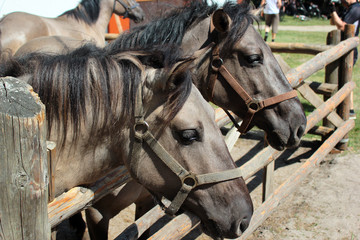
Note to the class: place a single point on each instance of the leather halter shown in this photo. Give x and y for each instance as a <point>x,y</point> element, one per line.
<point>189,180</point>
<point>126,7</point>
<point>253,105</point>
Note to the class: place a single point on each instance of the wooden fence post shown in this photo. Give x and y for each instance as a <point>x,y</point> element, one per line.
<point>23,163</point>
<point>331,70</point>
<point>346,76</point>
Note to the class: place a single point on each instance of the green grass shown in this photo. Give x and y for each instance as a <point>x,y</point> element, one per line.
<point>295,60</point>
<point>292,21</point>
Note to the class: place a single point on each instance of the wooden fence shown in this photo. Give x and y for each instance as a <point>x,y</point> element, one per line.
<point>27,183</point>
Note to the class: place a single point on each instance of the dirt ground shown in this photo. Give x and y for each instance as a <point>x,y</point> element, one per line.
<point>325,206</point>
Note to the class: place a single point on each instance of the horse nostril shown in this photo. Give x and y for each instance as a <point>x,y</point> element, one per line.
<point>244,224</point>
<point>300,131</point>
<point>240,227</point>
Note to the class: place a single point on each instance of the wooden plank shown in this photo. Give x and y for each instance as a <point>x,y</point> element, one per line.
<point>345,77</point>
<point>178,227</point>
<point>222,119</point>
<point>268,181</point>
<point>79,198</point>
<point>23,161</point>
<point>321,131</point>
<point>111,36</point>
<point>326,89</point>
<point>332,69</point>
<point>297,48</point>
<point>51,152</point>
<point>326,108</point>
<point>135,230</point>
<point>296,178</point>
<point>316,101</point>
<point>231,137</point>
<point>302,72</point>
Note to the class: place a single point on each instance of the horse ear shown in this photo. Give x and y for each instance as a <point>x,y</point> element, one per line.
<point>221,21</point>
<point>178,73</point>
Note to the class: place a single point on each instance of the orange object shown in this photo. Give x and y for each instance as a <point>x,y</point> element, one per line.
<point>118,24</point>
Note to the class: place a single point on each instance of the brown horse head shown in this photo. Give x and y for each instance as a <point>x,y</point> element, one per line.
<point>234,42</point>
<point>249,74</point>
<point>129,9</point>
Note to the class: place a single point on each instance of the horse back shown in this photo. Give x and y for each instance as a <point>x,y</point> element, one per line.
<point>18,27</point>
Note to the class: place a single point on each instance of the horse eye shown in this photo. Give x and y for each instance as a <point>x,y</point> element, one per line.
<point>254,59</point>
<point>188,136</point>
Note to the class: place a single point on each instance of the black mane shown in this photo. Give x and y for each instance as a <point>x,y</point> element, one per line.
<point>90,80</point>
<point>87,11</point>
<point>172,28</point>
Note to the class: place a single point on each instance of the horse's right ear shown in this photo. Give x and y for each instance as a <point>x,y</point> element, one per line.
<point>178,73</point>
<point>221,21</point>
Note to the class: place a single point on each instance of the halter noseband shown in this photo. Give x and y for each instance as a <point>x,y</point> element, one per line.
<point>126,7</point>
<point>253,105</point>
<point>189,180</point>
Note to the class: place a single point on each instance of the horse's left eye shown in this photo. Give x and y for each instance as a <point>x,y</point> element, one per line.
<point>188,136</point>
<point>254,59</point>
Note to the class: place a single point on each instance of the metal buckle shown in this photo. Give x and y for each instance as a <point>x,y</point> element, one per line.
<point>216,63</point>
<point>189,180</point>
<point>254,105</point>
<point>140,128</point>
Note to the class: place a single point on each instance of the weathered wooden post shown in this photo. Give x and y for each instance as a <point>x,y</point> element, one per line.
<point>23,163</point>
<point>331,70</point>
<point>344,77</point>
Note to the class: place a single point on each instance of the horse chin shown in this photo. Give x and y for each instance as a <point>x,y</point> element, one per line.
<point>210,229</point>
<point>275,141</point>
<point>279,141</point>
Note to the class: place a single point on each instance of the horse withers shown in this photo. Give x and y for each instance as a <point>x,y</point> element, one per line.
<point>88,21</point>
<point>140,110</point>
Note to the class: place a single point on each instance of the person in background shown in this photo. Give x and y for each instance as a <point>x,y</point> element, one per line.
<point>272,19</point>
<point>350,16</point>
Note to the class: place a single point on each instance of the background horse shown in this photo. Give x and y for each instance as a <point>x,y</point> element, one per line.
<point>88,21</point>
<point>92,104</point>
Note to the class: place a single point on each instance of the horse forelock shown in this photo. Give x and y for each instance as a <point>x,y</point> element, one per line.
<point>241,18</point>
<point>87,11</point>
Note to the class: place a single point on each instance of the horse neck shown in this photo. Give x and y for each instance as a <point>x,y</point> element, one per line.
<point>196,36</point>
<point>97,30</point>
<point>193,40</point>
<point>106,10</point>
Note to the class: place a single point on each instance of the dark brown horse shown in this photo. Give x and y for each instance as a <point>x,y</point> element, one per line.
<point>138,110</point>
<point>88,21</point>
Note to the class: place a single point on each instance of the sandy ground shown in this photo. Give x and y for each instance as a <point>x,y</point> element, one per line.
<point>325,206</point>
